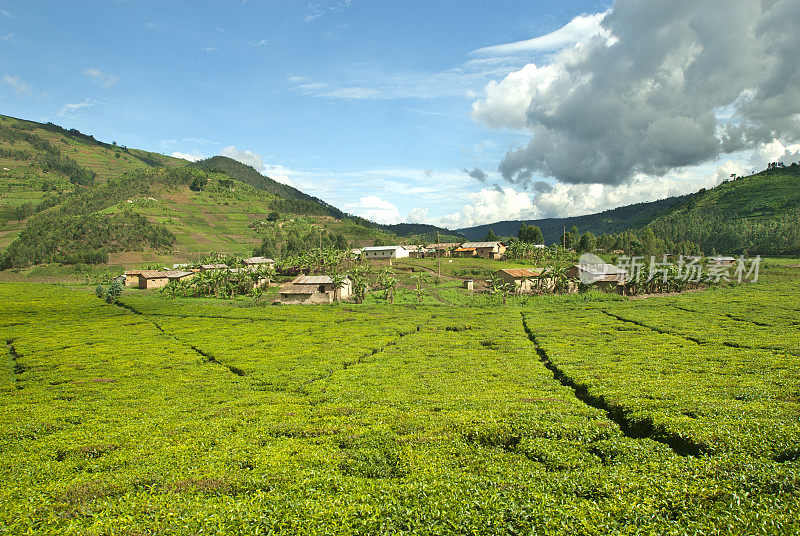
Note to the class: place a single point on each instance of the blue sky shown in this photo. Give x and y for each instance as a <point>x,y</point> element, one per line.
<point>380,107</point>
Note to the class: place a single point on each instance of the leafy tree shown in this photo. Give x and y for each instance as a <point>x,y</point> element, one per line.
<point>530,234</point>
<point>502,287</point>
<point>388,284</point>
<point>340,242</point>
<point>198,183</point>
<point>570,239</point>
<point>114,292</point>
<point>538,237</point>
<point>491,237</point>
<point>587,242</point>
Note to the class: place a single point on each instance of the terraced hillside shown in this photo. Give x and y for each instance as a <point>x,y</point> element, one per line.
<point>48,174</point>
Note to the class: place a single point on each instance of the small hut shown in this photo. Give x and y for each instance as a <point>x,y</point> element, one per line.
<point>314,289</point>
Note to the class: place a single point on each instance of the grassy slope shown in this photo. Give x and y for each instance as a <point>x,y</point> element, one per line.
<point>249,175</point>
<point>203,222</point>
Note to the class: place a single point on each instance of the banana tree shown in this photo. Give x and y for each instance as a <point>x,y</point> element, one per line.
<point>358,275</point>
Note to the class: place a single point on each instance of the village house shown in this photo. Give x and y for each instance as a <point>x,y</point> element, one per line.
<point>487,250</point>
<point>384,252</point>
<point>603,275</point>
<point>444,249</point>
<point>420,252</point>
<point>314,289</point>
<point>212,267</point>
<point>257,262</point>
<point>463,251</point>
<point>152,279</point>
<point>524,281</point>
<point>132,278</point>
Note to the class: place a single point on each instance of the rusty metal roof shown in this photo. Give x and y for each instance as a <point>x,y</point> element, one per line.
<point>520,272</point>
<point>446,245</point>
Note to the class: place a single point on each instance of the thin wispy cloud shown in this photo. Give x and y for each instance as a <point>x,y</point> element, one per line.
<point>261,43</point>
<point>6,14</point>
<point>577,30</point>
<point>209,50</point>
<point>9,38</point>
<point>73,107</point>
<point>374,82</point>
<point>317,9</point>
<point>103,79</point>
<point>17,84</point>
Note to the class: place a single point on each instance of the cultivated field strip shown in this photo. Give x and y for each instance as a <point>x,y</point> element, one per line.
<point>714,396</point>
<point>630,426</point>
<point>711,327</point>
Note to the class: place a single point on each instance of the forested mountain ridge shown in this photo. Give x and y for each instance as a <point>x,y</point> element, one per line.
<point>609,221</point>
<point>759,213</point>
<point>301,202</point>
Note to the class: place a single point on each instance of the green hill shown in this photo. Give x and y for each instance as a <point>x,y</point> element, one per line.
<point>755,214</point>
<point>308,204</point>
<point>300,202</point>
<point>66,197</point>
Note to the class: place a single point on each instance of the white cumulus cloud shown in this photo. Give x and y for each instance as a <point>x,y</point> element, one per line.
<point>489,205</point>
<point>662,85</point>
<point>191,157</point>
<point>376,209</point>
<point>418,215</point>
<point>578,29</point>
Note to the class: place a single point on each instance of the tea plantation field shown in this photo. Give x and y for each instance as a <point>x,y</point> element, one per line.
<point>673,415</point>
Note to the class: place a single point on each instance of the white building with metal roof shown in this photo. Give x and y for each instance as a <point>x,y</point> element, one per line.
<point>384,252</point>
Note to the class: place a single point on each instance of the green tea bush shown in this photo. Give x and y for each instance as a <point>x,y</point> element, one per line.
<point>194,416</point>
